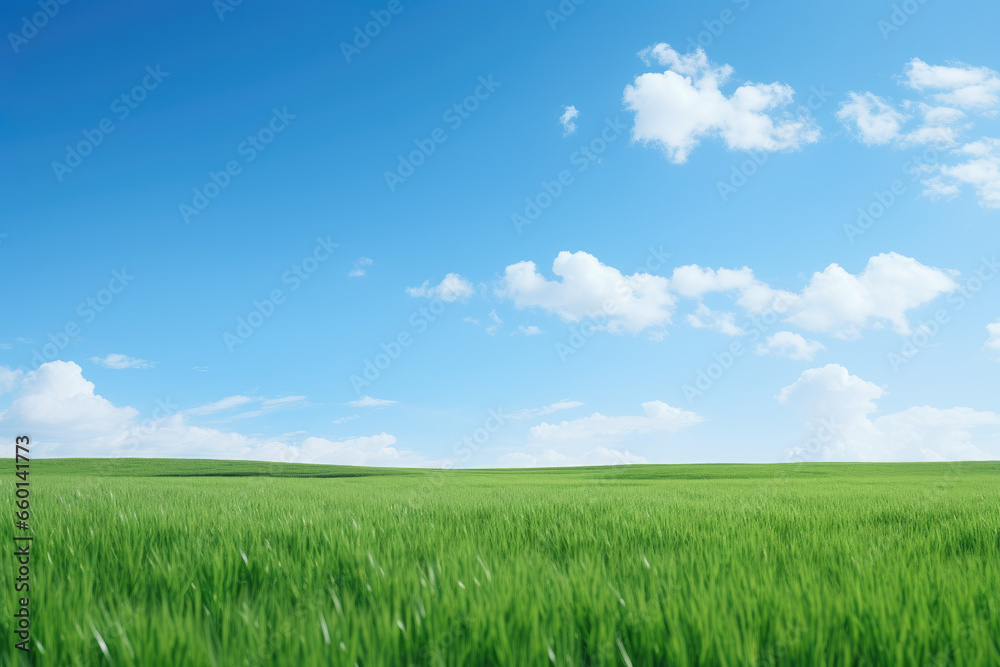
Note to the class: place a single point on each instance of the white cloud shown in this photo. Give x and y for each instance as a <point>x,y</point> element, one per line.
<point>530,330</point>
<point>693,281</point>
<point>359,267</point>
<point>956,84</point>
<point>9,379</point>
<point>220,405</point>
<point>266,405</point>
<point>55,401</point>
<point>120,361</point>
<point>495,323</point>
<point>834,301</point>
<point>790,345</point>
<point>838,408</point>
<point>375,450</point>
<point>569,115</point>
<point>590,289</point>
<point>941,126</point>
<point>981,170</point>
<point>369,402</point>
<point>843,304</point>
<point>949,89</point>
<point>529,413</point>
<point>874,120</point>
<point>676,108</point>
<point>597,439</point>
<point>344,420</point>
<point>658,418</point>
<point>993,332</point>
<point>706,318</point>
<point>67,418</point>
<point>452,288</point>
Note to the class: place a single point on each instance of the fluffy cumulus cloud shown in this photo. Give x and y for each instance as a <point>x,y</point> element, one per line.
<point>956,84</point>
<point>834,301</point>
<point>598,439</point>
<point>66,417</point>
<point>790,345</point>
<point>706,318</point>
<point>694,282</point>
<point>838,409</point>
<point>874,120</point>
<point>676,108</point>
<point>979,168</point>
<point>588,289</point>
<point>566,120</point>
<point>56,401</point>
<point>838,302</point>
<point>120,361</point>
<point>9,379</point>
<point>452,288</point>
<point>951,94</point>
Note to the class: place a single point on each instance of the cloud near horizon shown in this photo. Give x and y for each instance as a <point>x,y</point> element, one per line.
<point>67,418</point>
<point>838,409</point>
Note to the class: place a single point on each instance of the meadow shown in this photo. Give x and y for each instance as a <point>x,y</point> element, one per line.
<point>170,562</point>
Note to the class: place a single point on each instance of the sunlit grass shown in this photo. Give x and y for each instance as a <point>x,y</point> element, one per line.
<point>224,563</point>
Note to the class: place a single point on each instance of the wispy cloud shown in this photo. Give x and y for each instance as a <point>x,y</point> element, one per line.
<point>569,115</point>
<point>120,361</point>
<point>369,402</point>
<point>359,265</point>
<point>528,413</point>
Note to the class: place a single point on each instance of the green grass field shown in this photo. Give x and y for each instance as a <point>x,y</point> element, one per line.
<point>154,562</point>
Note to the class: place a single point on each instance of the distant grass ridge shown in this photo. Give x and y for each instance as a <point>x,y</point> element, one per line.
<point>194,562</point>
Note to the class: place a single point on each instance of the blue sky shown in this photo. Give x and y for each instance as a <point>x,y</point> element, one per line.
<point>217,156</point>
